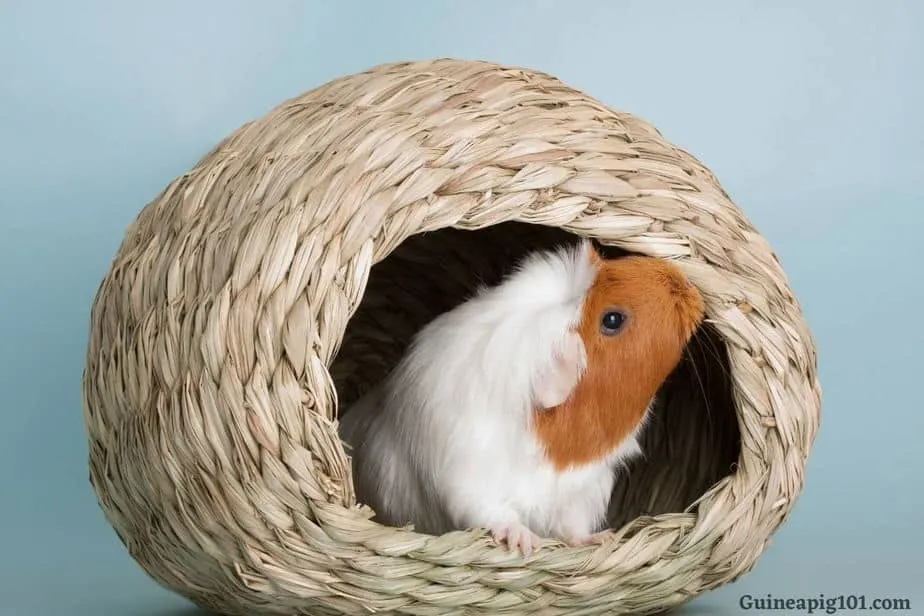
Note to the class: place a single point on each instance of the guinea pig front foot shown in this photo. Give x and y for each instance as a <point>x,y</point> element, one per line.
<point>517,537</point>
<point>585,540</point>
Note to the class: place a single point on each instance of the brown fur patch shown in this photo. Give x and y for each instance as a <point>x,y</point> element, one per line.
<point>623,371</point>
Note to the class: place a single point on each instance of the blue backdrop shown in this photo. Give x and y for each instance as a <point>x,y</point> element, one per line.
<point>808,112</point>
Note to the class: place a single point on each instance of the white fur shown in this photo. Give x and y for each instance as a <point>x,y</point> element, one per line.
<point>445,442</point>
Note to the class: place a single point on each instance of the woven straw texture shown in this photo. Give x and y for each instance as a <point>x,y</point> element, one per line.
<point>282,275</point>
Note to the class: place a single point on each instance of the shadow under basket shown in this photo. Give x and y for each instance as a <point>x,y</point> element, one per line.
<point>692,440</point>
<point>285,273</point>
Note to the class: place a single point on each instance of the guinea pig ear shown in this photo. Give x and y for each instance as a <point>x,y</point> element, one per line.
<point>591,251</point>
<point>554,382</point>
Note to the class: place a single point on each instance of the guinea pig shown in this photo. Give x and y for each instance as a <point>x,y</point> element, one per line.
<point>513,411</point>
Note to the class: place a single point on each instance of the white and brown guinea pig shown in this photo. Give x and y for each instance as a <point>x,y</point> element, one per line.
<point>511,411</point>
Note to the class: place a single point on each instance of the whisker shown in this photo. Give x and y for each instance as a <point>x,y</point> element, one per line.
<point>711,344</point>
<point>701,384</point>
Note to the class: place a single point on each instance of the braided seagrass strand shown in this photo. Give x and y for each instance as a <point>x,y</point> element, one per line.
<point>209,390</point>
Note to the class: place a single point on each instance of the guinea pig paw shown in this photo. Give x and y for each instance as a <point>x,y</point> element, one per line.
<point>556,383</point>
<point>572,360</point>
<point>517,537</point>
<point>594,539</point>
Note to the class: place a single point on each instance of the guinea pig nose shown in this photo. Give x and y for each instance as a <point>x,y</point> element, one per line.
<point>678,283</point>
<point>682,290</point>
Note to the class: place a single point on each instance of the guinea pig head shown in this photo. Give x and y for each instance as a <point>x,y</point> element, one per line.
<point>637,317</point>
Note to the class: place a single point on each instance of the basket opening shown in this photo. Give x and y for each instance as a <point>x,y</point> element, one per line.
<point>692,440</point>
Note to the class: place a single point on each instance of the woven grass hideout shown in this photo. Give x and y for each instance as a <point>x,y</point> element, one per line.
<point>285,273</point>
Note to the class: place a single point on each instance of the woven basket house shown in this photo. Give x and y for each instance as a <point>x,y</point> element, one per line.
<point>284,275</point>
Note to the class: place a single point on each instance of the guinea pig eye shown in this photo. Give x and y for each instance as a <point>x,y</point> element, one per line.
<point>612,322</point>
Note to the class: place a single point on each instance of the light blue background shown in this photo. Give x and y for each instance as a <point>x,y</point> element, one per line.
<point>810,113</point>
